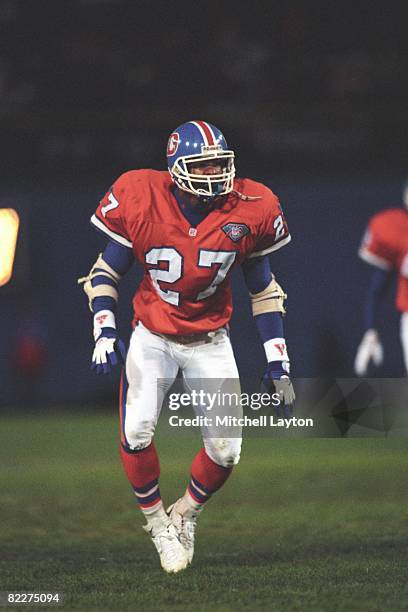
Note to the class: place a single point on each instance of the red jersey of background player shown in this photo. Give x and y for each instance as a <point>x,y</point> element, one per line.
<point>385,245</point>
<point>186,285</point>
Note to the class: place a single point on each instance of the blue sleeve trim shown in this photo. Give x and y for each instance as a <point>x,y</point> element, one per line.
<point>96,222</point>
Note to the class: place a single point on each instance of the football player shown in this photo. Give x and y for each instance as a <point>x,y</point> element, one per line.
<point>385,246</point>
<point>188,227</point>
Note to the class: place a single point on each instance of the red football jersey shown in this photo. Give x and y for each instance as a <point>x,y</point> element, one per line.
<point>186,283</point>
<point>385,245</point>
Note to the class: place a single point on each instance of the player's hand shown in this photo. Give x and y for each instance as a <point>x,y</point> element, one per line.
<point>276,380</point>
<point>369,350</point>
<point>109,351</point>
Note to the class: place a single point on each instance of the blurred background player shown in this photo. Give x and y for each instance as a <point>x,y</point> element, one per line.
<point>385,246</point>
<point>188,227</point>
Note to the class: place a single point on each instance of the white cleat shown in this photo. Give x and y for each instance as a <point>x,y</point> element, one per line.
<point>173,556</point>
<point>185,525</point>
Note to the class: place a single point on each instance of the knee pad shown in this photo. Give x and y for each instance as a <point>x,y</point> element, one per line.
<point>223,451</point>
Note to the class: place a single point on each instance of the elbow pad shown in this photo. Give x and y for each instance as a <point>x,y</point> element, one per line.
<point>100,268</point>
<point>271,299</point>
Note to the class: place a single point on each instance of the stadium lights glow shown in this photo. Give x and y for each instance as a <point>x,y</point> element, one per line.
<point>9,224</point>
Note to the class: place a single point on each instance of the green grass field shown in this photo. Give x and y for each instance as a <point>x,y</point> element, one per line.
<point>312,524</point>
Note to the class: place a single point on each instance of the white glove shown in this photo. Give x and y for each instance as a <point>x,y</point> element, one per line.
<point>109,348</point>
<point>370,349</point>
<point>109,351</point>
<point>284,388</point>
<point>276,380</point>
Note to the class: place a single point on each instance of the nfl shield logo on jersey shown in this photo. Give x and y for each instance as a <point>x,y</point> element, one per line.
<point>235,231</point>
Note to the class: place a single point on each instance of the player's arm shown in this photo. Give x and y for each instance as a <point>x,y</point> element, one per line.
<point>101,287</point>
<point>370,348</point>
<point>267,299</point>
<point>378,250</point>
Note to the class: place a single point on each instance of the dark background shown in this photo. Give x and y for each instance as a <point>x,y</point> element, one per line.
<point>311,96</point>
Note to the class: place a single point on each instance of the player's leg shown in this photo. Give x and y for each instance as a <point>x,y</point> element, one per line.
<point>141,400</point>
<point>404,338</point>
<point>210,367</point>
<point>148,359</point>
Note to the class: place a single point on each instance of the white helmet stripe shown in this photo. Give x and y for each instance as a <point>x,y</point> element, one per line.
<point>206,132</point>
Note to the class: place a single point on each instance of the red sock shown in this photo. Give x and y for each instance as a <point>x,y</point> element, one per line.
<point>143,470</point>
<point>206,478</point>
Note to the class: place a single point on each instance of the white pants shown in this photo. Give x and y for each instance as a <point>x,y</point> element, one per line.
<point>404,338</point>
<point>151,367</point>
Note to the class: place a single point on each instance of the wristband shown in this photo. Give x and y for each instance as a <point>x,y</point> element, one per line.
<point>275,350</point>
<point>103,318</point>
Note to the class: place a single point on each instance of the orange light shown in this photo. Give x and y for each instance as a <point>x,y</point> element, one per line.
<point>9,224</point>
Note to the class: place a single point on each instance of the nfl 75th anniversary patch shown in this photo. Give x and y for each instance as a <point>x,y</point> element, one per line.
<point>235,231</point>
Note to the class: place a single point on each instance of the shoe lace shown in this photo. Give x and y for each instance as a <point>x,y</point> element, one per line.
<point>188,529</point>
